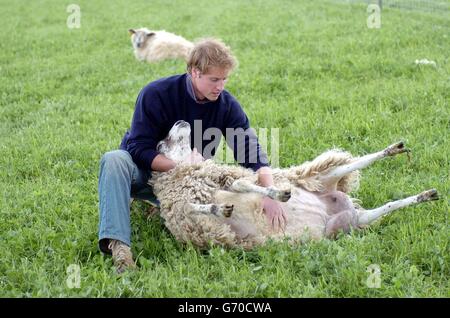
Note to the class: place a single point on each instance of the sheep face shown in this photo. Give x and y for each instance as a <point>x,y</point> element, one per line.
<point>139,37</point>
<point>177,145</point>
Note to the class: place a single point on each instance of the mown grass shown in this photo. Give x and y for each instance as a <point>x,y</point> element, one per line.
<point>312,69</point>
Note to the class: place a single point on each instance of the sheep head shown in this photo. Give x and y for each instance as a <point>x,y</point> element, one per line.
<point>140,36</point>
<point>177,145</point>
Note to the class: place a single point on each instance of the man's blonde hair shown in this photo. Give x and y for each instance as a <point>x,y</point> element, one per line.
<point>208,53</point>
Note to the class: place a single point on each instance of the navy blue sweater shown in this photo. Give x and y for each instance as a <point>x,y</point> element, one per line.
<point>163,102</point>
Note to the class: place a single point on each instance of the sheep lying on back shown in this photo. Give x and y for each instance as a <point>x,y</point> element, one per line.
<point>208,203</point>
<point>154,46</point>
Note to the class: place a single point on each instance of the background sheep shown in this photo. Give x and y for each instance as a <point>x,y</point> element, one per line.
<point>154,46</point>
<point>211,203</point>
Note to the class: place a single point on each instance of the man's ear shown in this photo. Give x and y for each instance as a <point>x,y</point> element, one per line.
<point>131,31</point>
<point>150,34</point>
<point>196,72</point>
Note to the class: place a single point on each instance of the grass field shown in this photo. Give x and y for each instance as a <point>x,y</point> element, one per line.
<point>311,68</point>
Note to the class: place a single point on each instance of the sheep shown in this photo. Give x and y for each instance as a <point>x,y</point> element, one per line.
<point>155,46</point>
<point>214,204</point>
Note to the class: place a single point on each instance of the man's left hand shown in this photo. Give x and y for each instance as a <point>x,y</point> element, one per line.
<point>275,214</point>
<point>193,158</point>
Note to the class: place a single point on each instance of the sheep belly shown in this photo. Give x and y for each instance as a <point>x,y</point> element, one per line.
<point>306,215</point>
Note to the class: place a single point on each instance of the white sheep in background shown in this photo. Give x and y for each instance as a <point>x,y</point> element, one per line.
<point>208,203</point>
<point>154,46</point>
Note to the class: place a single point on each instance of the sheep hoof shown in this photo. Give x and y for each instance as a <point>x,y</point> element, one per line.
<point>279,195</point>
<point>429,195</point>
<point>286,195</point>
<point>228,182</point>
<point>227,210</point>
<point>396,149</point>
<point>222,209</point>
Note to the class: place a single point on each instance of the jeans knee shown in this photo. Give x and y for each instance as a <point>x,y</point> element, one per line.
<point>115,159</point>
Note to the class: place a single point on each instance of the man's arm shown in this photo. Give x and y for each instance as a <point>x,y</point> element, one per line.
<point>146,129</point>
<point>242,139</point>
<point>250,149</point>
<point>274,211</point>
<point>265,178</point>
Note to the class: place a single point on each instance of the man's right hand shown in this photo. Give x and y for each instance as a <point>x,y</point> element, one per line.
<point>275,214</point>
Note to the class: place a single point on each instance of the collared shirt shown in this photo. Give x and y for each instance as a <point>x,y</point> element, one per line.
<point>191,92</point>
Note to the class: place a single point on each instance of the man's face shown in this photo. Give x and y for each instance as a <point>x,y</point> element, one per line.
<point>209,85</point>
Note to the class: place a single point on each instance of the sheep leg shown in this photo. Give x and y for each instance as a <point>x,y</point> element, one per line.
<point>366,217</point>
<point>245,186</point>
<point>331,178</point>
<point>215,209</point>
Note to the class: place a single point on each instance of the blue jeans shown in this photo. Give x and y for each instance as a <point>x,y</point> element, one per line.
<point>119,180</point>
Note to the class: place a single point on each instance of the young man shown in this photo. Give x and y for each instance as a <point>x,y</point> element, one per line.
<point>197,97</point>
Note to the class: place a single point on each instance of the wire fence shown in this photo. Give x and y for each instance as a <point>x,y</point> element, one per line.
<point>418,5</point>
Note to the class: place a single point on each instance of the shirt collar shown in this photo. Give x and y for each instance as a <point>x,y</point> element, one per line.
<point>190,90</point>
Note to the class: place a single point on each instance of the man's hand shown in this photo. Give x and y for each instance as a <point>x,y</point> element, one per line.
<point>162,164</point>
<point>193,158</point>
<point>275,214</point>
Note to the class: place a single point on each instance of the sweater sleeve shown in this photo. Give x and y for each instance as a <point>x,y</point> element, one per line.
<point>147,123</point>
<point>243,140</point>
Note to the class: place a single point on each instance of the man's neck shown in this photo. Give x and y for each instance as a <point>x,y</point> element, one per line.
<point>198,95</point>
<point>195,94</point>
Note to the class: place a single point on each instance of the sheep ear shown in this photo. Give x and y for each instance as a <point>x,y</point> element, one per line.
<point>150,34</point>
<point>131,31</point>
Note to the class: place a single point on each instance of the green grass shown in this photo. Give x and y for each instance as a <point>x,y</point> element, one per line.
<point>312,69</point>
